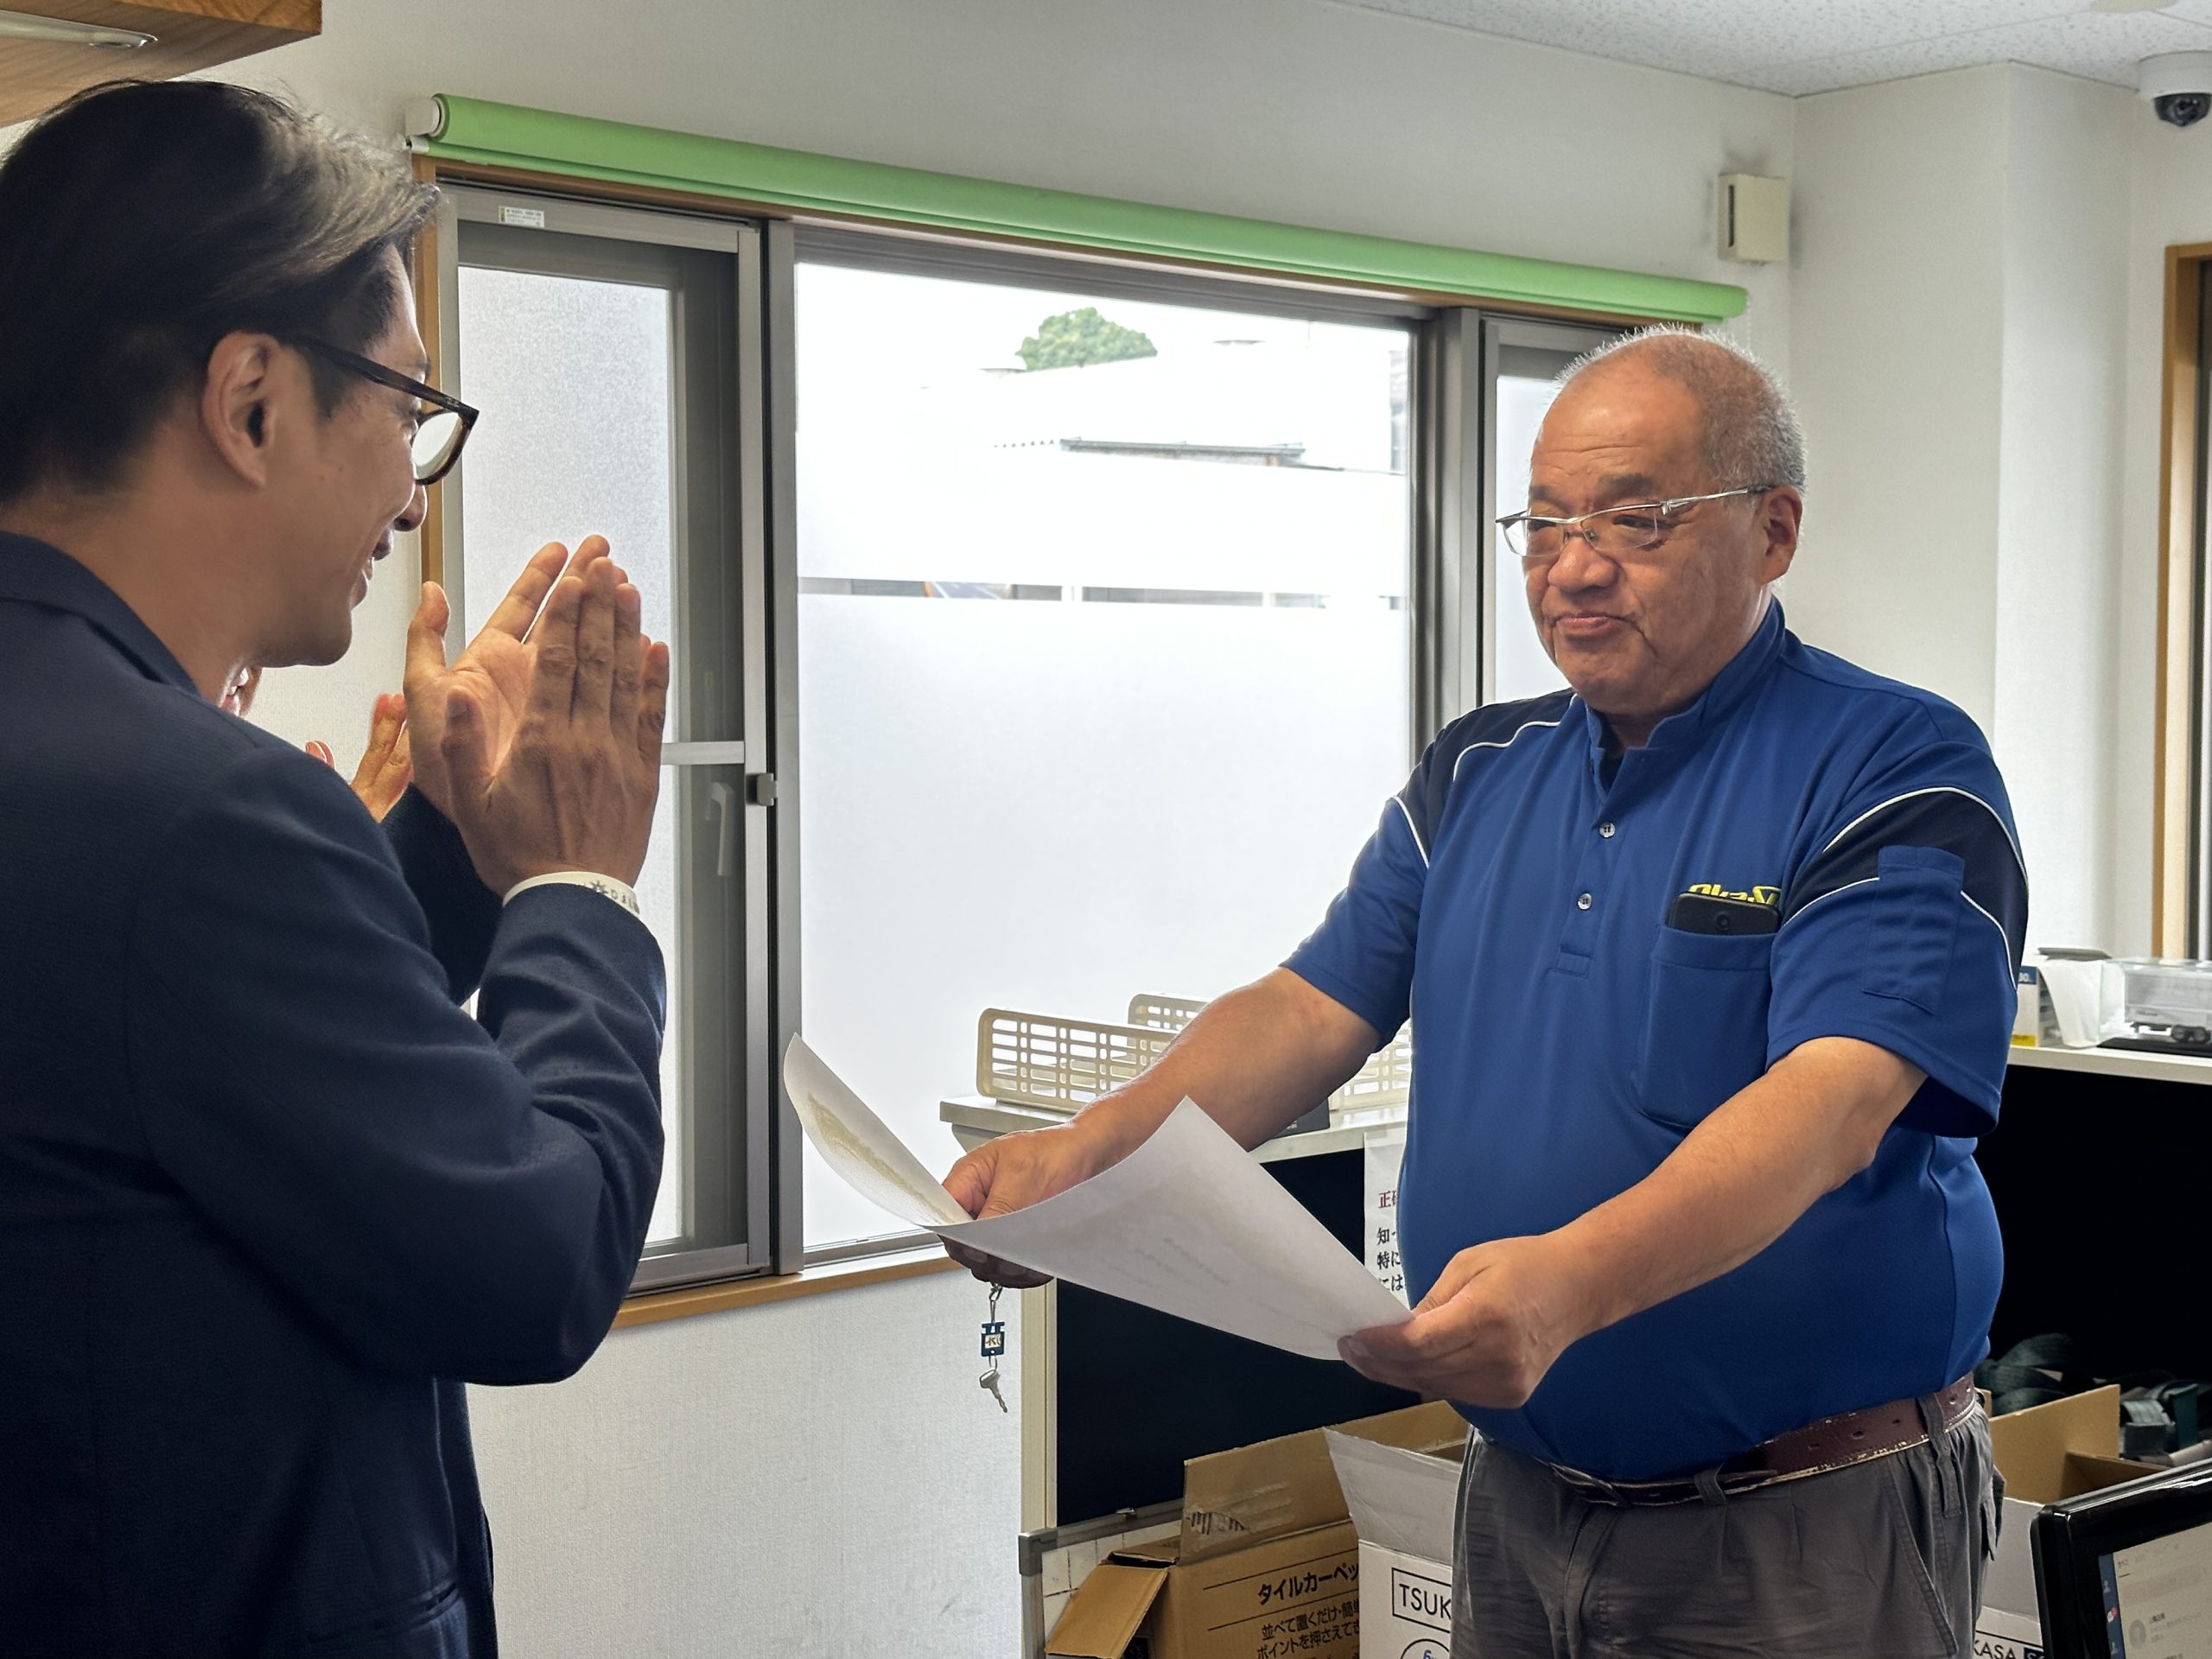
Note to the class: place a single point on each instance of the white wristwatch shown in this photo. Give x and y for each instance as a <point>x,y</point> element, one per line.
<point>620,892</point>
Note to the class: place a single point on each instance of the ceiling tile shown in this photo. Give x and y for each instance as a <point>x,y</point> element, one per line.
<point>2102,48</point>
<point>1817,45</point>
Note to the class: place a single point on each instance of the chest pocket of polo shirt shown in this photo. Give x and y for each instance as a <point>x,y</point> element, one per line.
<point>1704,1023</point>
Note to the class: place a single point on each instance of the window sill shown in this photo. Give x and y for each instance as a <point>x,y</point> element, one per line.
<point>915,1264</point>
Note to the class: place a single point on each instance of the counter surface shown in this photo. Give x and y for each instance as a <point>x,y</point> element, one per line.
<point>2119,1062</point>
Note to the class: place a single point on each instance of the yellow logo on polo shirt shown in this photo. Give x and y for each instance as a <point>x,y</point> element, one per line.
<point>1770,897</point>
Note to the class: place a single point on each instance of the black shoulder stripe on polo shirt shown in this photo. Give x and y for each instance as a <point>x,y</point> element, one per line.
<point>1960,822</point>
<point>1493,726</point>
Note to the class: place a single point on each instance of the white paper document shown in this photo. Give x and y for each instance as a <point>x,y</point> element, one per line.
<point>1188,1224</point>
<point>854,1141</point>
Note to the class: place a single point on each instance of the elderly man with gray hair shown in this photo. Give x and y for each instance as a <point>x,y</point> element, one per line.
<point>1710,958</point>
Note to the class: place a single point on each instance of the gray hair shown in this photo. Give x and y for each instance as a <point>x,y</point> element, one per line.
<point>1752,434</point>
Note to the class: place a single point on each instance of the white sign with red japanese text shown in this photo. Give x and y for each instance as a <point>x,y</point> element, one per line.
<point>1386,1151</point>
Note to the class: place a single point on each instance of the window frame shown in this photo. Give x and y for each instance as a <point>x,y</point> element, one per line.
<point>1501,336</point>
<point>719,750</point>
<point>1450,399</point>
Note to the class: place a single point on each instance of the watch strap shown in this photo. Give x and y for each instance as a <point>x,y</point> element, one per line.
<point>620,892</point>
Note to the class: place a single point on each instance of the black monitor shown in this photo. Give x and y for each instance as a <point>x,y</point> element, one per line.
<point>2126,1573</point>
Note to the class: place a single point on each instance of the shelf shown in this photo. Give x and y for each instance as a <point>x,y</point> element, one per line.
<point>188,34</point>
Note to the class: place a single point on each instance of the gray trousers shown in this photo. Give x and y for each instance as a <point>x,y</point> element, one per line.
<point>1882,1559</point>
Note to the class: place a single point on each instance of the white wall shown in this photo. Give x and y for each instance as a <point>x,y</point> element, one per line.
<point>1958,313</point>
<point>2060,572</point>
<point>2171,204</point>
<point>1897,345</point>
<point>816,1476</point>
<point>751,1483</point>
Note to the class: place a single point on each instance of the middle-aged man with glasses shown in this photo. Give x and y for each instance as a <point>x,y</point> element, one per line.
<point>268,1195</point>
<point>1710,960</point>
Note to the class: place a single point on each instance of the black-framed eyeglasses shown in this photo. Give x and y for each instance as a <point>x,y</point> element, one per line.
<point>1611,531</point>
<point>439,436</point>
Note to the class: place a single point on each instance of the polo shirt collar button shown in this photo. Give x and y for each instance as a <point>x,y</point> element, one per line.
<point>1583,903</point>
<point>1606,831</point>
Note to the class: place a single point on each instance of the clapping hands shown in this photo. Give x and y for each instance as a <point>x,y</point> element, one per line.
<point>541,740</point>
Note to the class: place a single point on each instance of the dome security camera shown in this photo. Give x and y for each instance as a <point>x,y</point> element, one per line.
<point>2177,85</point>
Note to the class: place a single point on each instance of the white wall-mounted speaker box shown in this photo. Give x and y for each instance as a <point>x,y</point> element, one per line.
<point>1754,219</point>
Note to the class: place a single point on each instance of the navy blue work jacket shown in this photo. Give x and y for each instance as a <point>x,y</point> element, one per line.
<point>268,1196</point>
<point>1518,900</point>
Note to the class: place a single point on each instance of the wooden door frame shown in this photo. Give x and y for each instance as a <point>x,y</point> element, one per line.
<point>2180,589</point>
<point>431,539</point>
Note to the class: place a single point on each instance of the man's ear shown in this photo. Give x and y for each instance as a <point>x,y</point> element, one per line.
<point>238,402</point>
<point>1781,513</point>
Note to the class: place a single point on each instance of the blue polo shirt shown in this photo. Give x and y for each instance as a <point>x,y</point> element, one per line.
<point>1514,903</point>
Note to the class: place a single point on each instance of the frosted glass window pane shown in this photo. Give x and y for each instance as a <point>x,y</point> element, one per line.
<point>1104,670</point>
<point>1520,667</point>
<point>573,378</point>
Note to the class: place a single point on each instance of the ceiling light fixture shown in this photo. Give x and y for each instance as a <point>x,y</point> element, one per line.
<point>59,31</point>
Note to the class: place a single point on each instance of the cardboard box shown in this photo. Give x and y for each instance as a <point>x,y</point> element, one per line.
<point>1404,1504</point>
<point>2045,1453</point>
<point>1337,1543</point>
<point>1264,1565</point>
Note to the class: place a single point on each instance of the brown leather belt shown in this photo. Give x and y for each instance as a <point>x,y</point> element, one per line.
<point>1832,1443</point>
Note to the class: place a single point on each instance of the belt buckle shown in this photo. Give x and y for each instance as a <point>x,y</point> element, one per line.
<point>1626,1495</point>
<point>1754,1480</point>
<point>1602,1491</point>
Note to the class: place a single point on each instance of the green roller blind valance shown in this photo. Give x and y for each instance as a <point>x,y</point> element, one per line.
<point>504,134</point>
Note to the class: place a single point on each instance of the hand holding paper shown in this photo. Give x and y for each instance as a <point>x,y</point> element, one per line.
<point>1013,1172</point>
<point>1188,1224</point>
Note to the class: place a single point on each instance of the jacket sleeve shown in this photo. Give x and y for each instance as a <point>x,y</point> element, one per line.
<point>460,909</point>
<point>448,1198</point>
